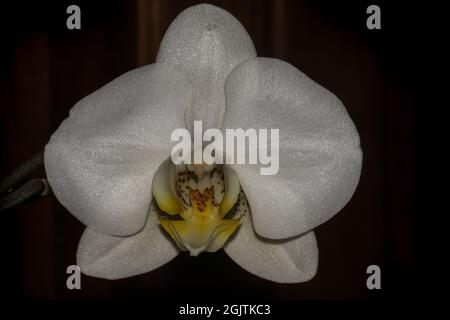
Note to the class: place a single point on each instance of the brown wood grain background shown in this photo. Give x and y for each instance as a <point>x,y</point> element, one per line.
<point>46,68</point>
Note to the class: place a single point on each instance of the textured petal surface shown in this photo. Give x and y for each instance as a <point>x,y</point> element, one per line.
<point>109,257</point>
<point>284,261</point>
<point>101,160</point>
<point>319,155</point>
<point>206,42</point>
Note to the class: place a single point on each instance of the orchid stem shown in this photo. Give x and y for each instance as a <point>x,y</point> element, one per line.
<point>15,188</point>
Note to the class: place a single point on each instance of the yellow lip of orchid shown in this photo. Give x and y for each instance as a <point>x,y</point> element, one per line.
<point>199,196</point>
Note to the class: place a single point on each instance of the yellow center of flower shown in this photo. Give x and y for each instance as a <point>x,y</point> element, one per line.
<point>196,200</point>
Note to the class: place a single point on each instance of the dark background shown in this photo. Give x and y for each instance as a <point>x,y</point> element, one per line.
<point>46,68</point>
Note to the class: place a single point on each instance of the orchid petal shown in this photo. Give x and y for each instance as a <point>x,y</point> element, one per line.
<point>109,257</point>
<point>205,43</point>
<point>101,160</point>
<point>319,151</point>
<point>284,261</point>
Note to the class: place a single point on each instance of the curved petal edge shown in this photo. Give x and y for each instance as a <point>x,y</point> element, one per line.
<point>101,160</point>
<point>108,257</point>
<point>282,261</point>
<point>319,150</point>
<point>205,43</point>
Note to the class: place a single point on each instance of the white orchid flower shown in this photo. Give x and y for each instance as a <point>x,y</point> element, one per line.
<point>109,162</point>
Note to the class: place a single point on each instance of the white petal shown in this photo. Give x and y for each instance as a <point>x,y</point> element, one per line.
<point>320,155</point>
<point>287,261</point>
<point>101,160</point>
<point>206,43</point>
<point>103,256</point>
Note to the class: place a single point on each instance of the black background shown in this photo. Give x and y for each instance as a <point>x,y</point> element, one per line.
<point>46,68</point>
